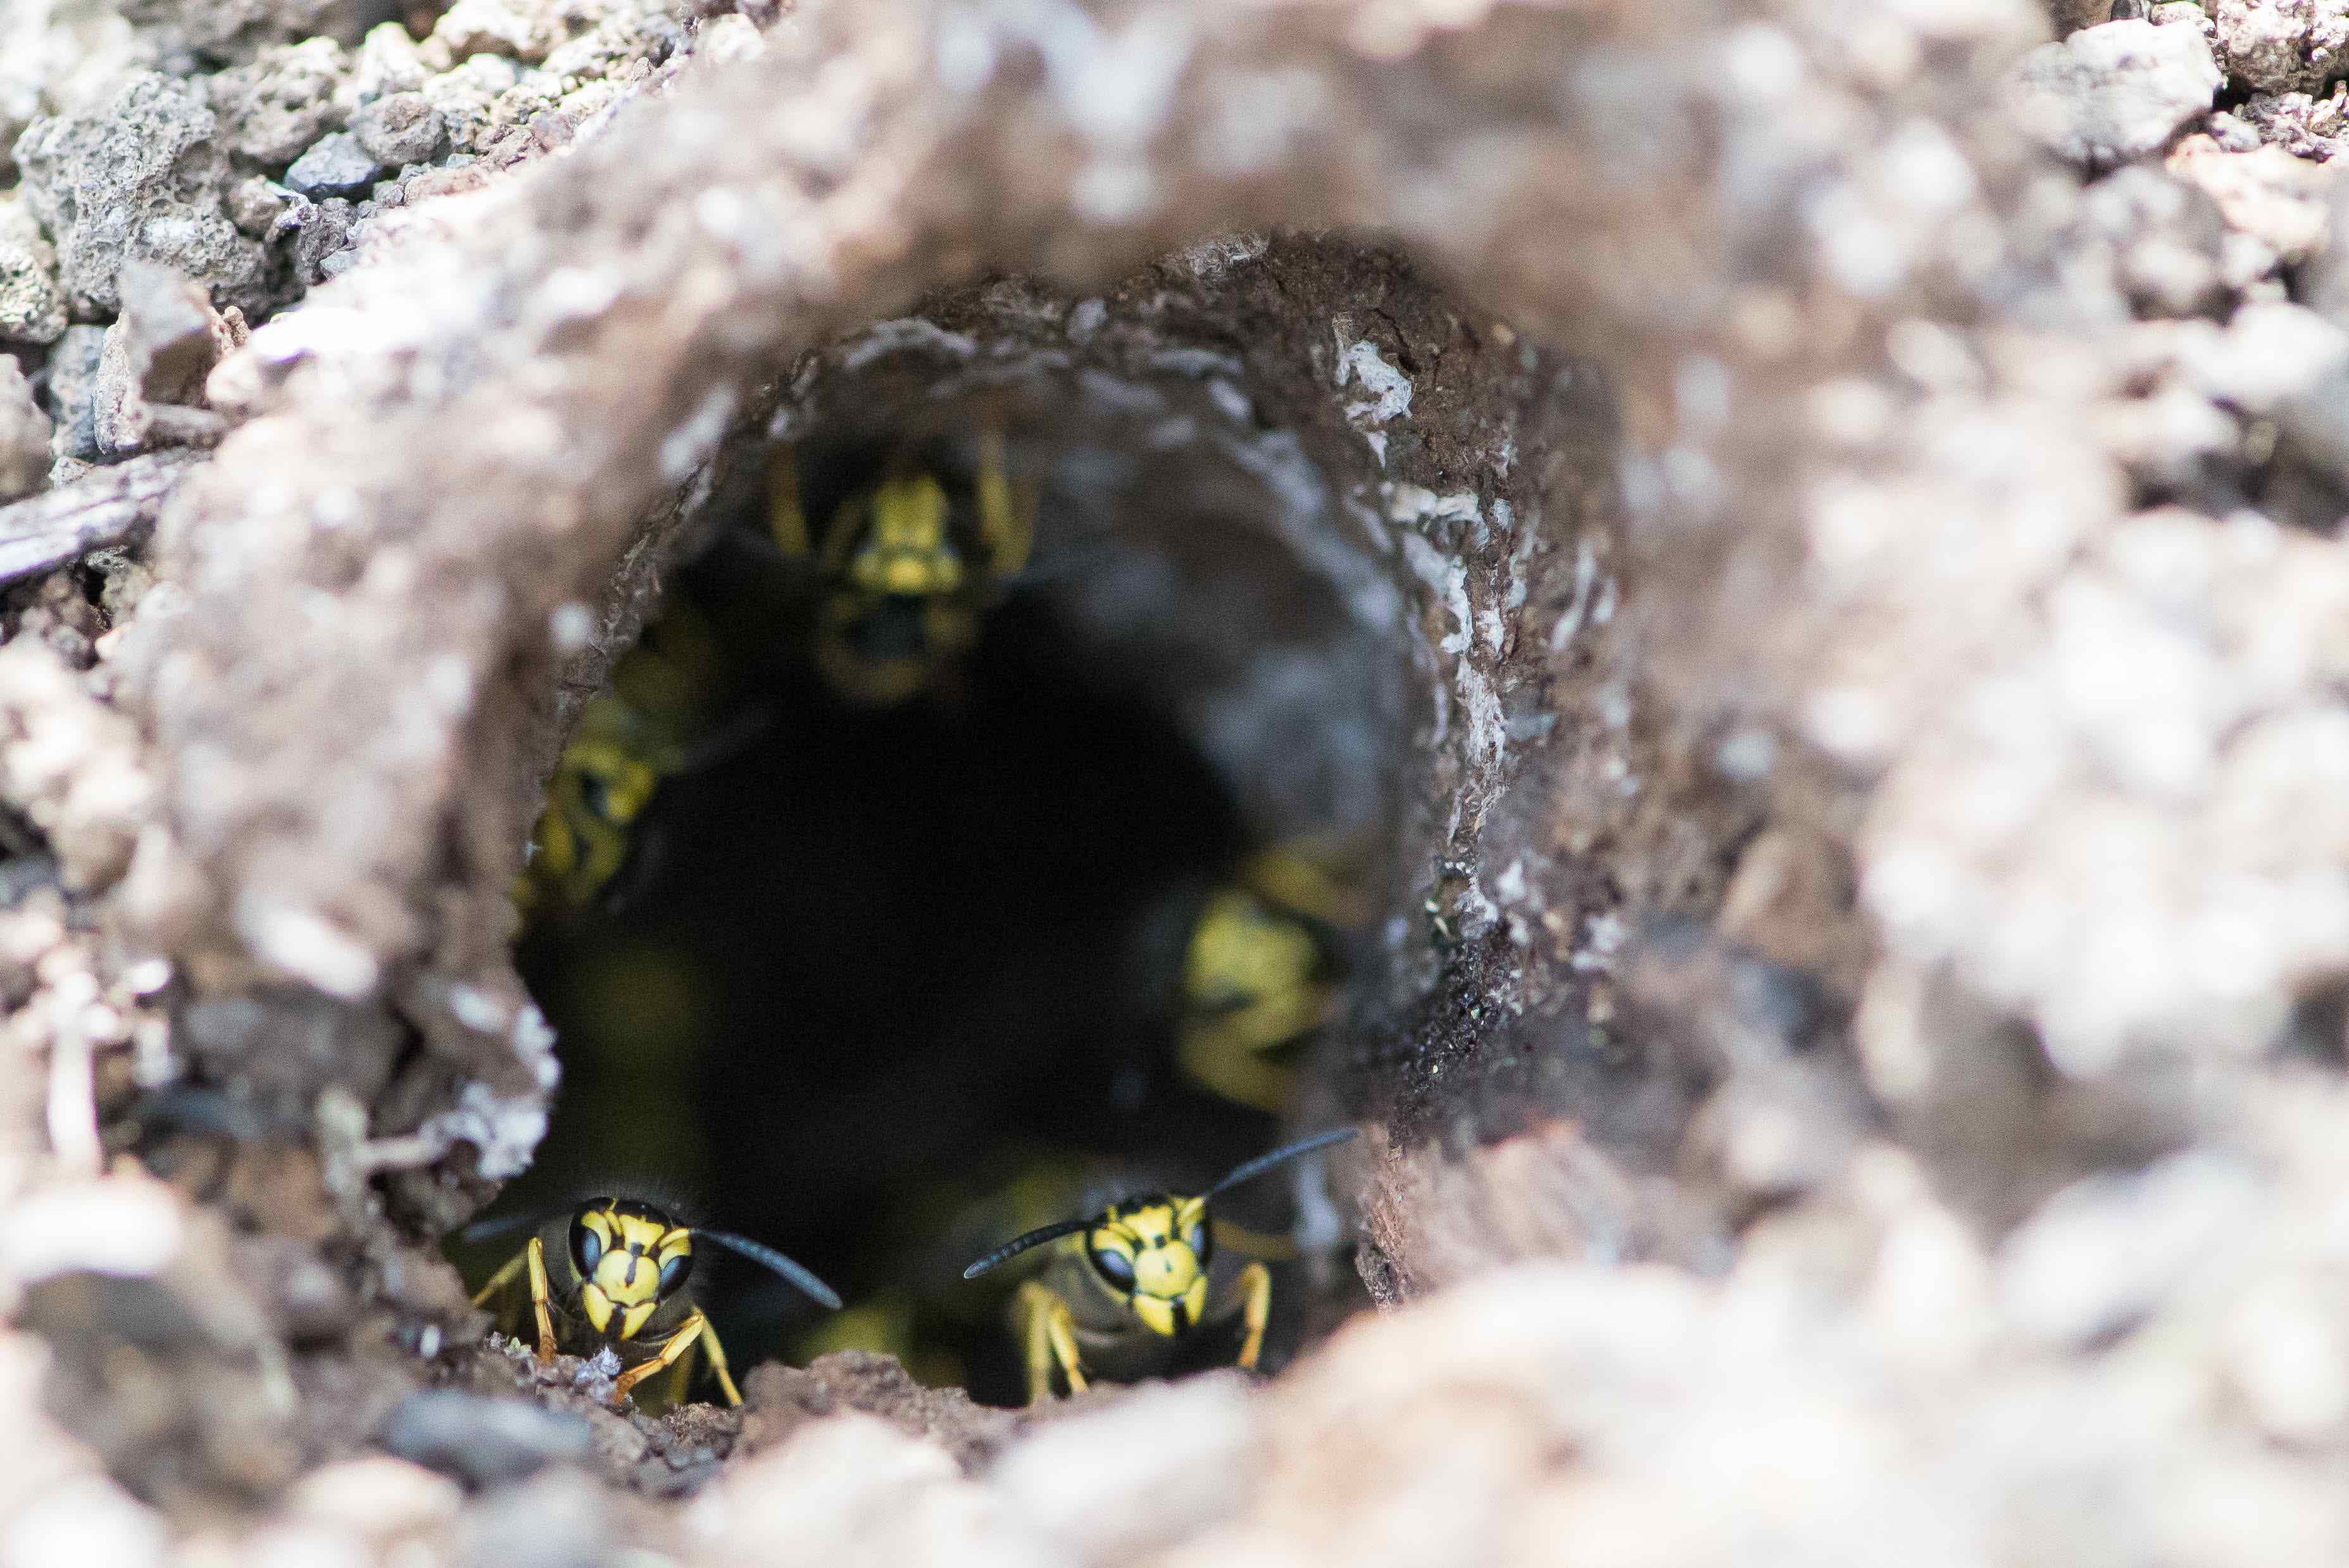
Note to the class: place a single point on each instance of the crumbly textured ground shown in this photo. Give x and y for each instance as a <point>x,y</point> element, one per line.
<point>1857,1060</point>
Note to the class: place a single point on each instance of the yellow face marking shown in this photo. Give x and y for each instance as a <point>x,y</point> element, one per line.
<point>630,1259</point>
<point>1154,1253</point>
<point>607,777</point>
<point>906,551</point>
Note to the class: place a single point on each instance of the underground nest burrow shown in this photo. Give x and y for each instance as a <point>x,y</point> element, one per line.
<point>1984,914</point>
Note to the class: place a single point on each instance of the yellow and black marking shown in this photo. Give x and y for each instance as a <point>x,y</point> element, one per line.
<point>907,568</point>
<point>1131,1288</point>
<point>655,723</point>
<point>1261,976</point>
<point>625,1265</point>
<point>607,777</point>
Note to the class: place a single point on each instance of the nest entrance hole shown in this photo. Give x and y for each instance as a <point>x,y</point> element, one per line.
<point>881,975</point>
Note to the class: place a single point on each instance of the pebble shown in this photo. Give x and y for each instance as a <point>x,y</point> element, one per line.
<point>400,130</point>
<point>481,1440</point>
<point>335,165</point>
<point>2111,94</point>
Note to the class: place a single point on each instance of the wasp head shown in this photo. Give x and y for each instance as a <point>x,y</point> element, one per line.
<point>630,1258</point>
<point>907,552</point>
<point>1153,1252</point>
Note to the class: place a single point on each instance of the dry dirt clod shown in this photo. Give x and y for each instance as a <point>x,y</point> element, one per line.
<point>2109,94</point>
<point>141,179</point>
<point>32,306</point>
<point>24,435</point>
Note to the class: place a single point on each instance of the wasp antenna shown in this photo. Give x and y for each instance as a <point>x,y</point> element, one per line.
<point>760,1253</point>
<point>1018,1244</point>
<point>505,1224</point>
<point>1264,1162</point>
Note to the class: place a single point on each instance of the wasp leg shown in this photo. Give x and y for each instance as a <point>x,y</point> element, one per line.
<point>716,1355</point>
<point>1254,1284</point>
<point>1225,1063</point>
<point>1296,882</point>
<point>500,1280</point>
<point>672,1351</point>
<point>539,1293</point>
<point>1006,520</point>
<point>785,519</point>
<point>1049,1337</point>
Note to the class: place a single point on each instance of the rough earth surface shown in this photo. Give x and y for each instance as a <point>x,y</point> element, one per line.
<point>1852,497</point>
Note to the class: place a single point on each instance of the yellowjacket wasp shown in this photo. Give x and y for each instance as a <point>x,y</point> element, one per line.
<point>1130,1293</point>
<point>620,1281</point>
<point>1261,972</point>
<point>654,723</point>
<point>907,569</point>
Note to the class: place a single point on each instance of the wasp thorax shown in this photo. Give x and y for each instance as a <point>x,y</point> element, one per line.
<point>629,1258</point>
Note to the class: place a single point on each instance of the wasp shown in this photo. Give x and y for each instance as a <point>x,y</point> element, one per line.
<point>1260,976</point>
<point>652,724</point>
<point>1130,1294</point>
<point>625,1265</point>
<point>906,567</point>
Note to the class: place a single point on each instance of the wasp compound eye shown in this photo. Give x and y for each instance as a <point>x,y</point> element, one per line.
<point>674,1272</point>
<point>587,1247</point>
<point>1115,1267</point>
<point>1200,1241</point>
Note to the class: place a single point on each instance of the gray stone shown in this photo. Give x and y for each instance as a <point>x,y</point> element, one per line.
<point>387,63</point>
<point>25,433</point>
<point>255,204</point>
<point>143,178</point>
<point>481,1440</point>
<point>151,373</point>
<point>319,230</point>
<point>2108,95</point>
<point>73,375</point>
<point>32,306</point>
<point>281,103</point>
<point>335,165</point>
<point>400,130</point>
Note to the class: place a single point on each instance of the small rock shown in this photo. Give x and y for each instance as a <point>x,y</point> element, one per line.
<point>465,94</point>
<point>387,63</point>
<point>156,355</point>
<point>2110,94</point>
<point>173,331</point>
<point>2097,1254</point>
<point>473,27</point>
<point>558,1520</point>
<point>2071,15</point>
<point>320,230</point>
<point>73,374</point>
<point>2282,46</point>
<point>480,1440</point>
<point>84,1518</point>
<point>379,1496</point>
<point>1103,1483</point>
<point>255,204</point>
<point>31,307</point>
<point>335,165</point>
<point>2268,193</point>
<point>281,103</point>
<point>25,433</point>
<point>400,130</point>
<point>142,177</point>
<point>2165,237</point>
